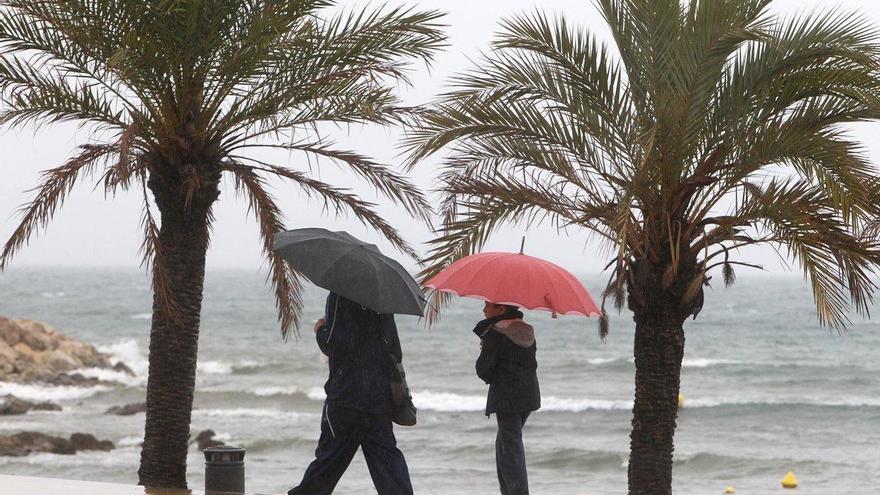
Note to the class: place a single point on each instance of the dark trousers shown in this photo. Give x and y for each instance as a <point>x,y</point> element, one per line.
<point>342,432</point>
<point>510,455</point>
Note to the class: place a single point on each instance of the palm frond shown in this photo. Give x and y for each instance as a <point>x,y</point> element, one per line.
<point>657,134</point>
<point>50,194</point>
<point>336,199</point>
<point>803,221</point>
<point>285,280</point>
<point>151,257</point>
<point>389,183</point>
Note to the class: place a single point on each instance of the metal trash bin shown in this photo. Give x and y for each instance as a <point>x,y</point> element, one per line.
<point>224,469</point>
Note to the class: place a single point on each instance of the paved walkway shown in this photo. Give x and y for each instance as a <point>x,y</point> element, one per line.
<point>23,485</point>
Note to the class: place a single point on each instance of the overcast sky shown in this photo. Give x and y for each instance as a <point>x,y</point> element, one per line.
<point>93,231</point>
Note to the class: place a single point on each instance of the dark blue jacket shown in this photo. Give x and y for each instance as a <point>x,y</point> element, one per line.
<point>511,372</point>
<point>360,373</point>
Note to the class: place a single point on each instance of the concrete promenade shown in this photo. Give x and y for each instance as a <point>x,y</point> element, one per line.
<point>23,485</point>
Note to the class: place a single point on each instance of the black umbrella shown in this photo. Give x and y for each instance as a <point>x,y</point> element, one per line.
<point>339,262</point>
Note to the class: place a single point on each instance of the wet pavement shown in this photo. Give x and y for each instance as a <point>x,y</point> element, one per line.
<point>23,485</point>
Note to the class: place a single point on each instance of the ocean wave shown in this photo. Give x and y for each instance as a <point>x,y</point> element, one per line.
<point>316,393</point>
<point>109,375</point>
<point>86,459</point>
<point>41,393</point>
<point>19,425</point>
<point>706,362</point>
<point>130,442</point>
<point>602,361</point>
<point>270,391</point>
<point>275,443</point>
<point>793,402</point>
<point>686,362</point>
<point>579,459</point>
<point>253,413</point>
<point>451,402</point>
<point>142,316</point>
<point>229,367</point>
<point>215,367</point>
<point>559,404</point>
<point>448,402</point>
<point>128,352</point>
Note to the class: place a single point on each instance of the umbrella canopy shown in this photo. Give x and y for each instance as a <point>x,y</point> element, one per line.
<point>339,262</point>
<point>516,279</point>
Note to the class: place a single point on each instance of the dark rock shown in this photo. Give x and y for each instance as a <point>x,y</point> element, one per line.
<point>47,406</point>
<point>123,368</point>
<point>26,442</point>
<point>14,406</point>
<point>84,441</point>
<point>31,351</point>
<point>74,380</point>
<point>205,439</point>
<point>128,409</point>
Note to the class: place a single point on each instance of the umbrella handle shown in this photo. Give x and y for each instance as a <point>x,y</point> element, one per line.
<point>550,303</point>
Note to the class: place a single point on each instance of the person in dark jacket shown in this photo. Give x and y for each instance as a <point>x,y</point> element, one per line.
<point>357,411</point>
<point>507,363</point>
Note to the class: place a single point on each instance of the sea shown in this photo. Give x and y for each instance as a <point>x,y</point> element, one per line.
<point>766,391</point>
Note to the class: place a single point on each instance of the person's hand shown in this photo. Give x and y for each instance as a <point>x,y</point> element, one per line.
<point>318,324</point>
<point>481,344</point>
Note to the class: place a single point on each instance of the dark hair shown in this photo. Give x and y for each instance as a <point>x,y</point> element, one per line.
<point>508,308</point>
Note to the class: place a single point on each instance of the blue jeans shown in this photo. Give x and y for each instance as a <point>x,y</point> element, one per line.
<point>345,430</point>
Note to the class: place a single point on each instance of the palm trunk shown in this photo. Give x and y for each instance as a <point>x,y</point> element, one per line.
<point>658,350</point>
<point>182,246</point>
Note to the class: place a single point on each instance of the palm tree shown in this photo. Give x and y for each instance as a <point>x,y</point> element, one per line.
<point>703,128</point>
<point>178,94</point>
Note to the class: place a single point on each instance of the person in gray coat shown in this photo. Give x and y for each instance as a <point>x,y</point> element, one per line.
<point>507,363</point>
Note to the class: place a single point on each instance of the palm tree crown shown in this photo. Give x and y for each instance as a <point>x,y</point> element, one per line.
<point>183,90</point>
<point>704,127</point>
<point>179,93</point>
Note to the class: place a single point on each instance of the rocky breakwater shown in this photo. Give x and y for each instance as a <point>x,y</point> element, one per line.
<point>28,442</point>
<point>33,352</point>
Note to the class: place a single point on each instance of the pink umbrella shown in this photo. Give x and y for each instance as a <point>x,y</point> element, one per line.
<point>517,279</point>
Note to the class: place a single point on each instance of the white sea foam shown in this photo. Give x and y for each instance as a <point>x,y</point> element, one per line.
<point>215,367</point>
<point>39,393</point>
<point>705,362</point>
<point>142,316</point>
<point>128,351</point>
<point>21,425</point>
<point>108,375</point>
<point>563,404</point>
<point>242,412</point>
<point>601,361</point>
<point>86,459</point>
<point>686,363</point>
<point>316,393</point>
<point>270,391</point>
<point>451,402</point>
<point>784,401</point>
<point>130,442</point>
<point>448,402</point>
<point>246,364</point>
